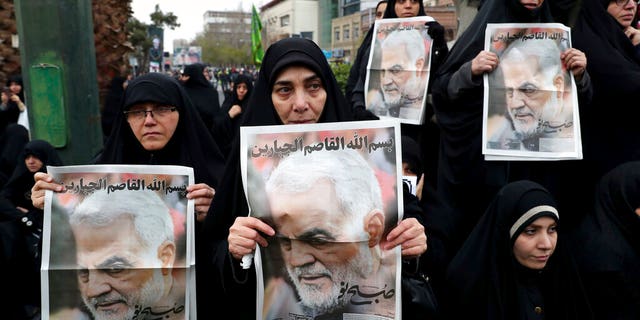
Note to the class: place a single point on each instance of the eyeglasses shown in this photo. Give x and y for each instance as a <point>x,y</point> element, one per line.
<point>622,3</point>
<point>139,115</point>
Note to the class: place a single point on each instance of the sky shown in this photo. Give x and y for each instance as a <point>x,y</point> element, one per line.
<point>189,13</point>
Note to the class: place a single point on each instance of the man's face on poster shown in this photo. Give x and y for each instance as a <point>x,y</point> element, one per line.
<point>401,79</point>
<point>319,253</point>
<point>533,98</point>
<point>117,275</point>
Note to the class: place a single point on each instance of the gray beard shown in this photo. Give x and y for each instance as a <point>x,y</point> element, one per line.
<point>316,303</point>
<point>148,295</point>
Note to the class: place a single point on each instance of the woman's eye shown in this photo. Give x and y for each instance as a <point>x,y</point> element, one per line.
<point>283,90</point>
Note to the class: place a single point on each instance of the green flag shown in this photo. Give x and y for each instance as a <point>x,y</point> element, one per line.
<point>256,37</point>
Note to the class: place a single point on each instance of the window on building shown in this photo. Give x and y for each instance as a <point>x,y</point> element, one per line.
<point>356,31</point>
<point>336,33</point>
<point>350,7</point>
<point>285,20</point>
<point>345,32</point>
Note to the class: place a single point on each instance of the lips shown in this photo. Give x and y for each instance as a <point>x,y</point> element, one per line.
<point>151,134</point>
<point>109,307</point>
<point>542,258</point>
<point>313,280</point>
<point>300,121</point>
<point>522,117</point>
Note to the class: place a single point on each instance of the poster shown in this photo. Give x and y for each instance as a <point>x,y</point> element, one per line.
<point>398,69</point>
<point>118,244</point>
<point>530,101</point>
<point>331,193</point>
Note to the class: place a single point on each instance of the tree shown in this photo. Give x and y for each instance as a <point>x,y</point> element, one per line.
<point>220,53</point>
<point>341,72</point>
<point>110,37</point>
<point>9,56</point>
<point>139,36</point>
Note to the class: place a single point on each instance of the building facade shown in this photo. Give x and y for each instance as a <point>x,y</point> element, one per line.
<point>337,26</point>
<point>346,37</point>
<point>230,27</point>
<point>289,18</point>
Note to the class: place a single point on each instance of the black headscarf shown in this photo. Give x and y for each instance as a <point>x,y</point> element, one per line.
<point>18,188</point>
<point>225,128</point>
<point>609,133</point>
<point>360,62</point>
<point>284,53</point>
<point>608,245</point>
<point>12,141</point>
<point>11,113</point>
<point>482,279</point>
<point>230,199</point>
<point>191,144</point>
<point>201,92</point>
<point>112,104</point>
<point>411,155</point>
<point>390,11</point>
<point>18,80</point>
<point>241,78</point>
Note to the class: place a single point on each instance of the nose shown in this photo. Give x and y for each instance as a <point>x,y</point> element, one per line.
<point>300,102</point>
<point>517,99</point>
<point>97,284</point>
<point>300,254</point>
<point>386,77</point>
<point>545,242</point>
<point>149,118</point>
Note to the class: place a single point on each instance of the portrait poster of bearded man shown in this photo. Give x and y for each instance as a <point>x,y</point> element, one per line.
<point>530,101</point>
<point>398,69</point>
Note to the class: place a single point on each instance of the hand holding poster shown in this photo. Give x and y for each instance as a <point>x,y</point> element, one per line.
<point>530,100</point>
<point>331,193</point>
<point>118,244</point>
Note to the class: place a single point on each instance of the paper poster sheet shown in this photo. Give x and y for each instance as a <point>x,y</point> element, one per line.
<point>118,243</point>
<point>530,100</point>
<point>331,193</point>
<point>398,69</point>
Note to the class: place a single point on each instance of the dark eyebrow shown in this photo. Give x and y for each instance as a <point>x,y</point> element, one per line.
<point>288,82</point>
<point>396,66</point>
<point>312,78</point>
<point>115,260</point>
<point>314,233</point>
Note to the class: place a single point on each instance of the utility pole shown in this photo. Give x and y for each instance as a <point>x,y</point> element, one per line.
<point>57,54</point>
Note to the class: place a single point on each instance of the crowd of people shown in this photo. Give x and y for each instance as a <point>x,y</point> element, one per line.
<point>498,239</point>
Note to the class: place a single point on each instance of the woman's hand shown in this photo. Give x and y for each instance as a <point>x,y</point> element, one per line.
<point>633,34</point>
<point>43,183</point>
<point>410,235</point>
<point>575,61</point>
<point>202,195</point>
<point>245,233</point>
<point>484,62</point>
<point>234,111</point>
